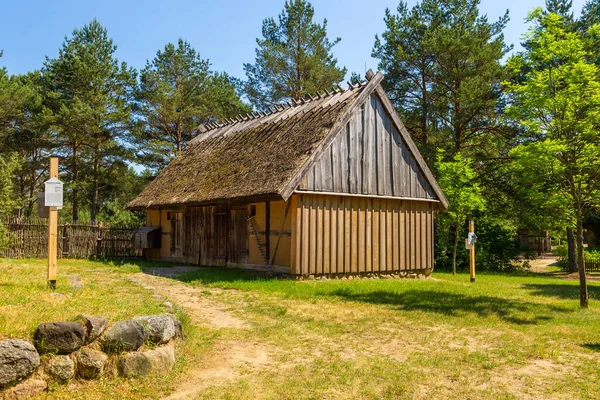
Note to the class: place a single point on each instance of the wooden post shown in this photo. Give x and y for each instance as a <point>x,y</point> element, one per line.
<point>472,252</point>
<point>267,231</point>
<point>52,230</point>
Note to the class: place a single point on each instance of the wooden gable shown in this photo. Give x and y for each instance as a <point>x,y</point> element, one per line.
<point>370,157</point>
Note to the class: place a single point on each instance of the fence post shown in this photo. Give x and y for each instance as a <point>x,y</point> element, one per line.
<point>65,244</point>
<point>99,241</point>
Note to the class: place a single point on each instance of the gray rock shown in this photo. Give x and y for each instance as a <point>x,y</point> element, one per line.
<point>95,327</point>
<point>161,328</point>
<point>61,368</point>
<point>90,363</point>
<point>18,360</point>
<point>75,282</point>
<point>153,362</point>
<point>59,337</point>
<point>178,326</point>
<point>124,336</point>
<point>26,389</point>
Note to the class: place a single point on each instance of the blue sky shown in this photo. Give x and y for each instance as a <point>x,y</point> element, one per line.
<point>222,31</point>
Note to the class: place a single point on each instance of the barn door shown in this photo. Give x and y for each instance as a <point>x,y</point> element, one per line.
<point>212,235</point>
<point>238,236</point>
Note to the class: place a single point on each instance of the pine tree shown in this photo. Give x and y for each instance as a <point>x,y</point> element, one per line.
<point>442,66</point>
<point>177,93</point>
<point>293,58</point>
<point>89,93</point>
<point>563,8</point>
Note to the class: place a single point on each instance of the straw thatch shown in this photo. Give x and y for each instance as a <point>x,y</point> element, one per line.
<point>256,156</point>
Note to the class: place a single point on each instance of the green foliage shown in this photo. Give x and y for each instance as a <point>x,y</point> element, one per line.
<point>458,182</point>
<point>293,58</point>
<point>9,164</point>
<point>558,106</point>
<point>177,93</point>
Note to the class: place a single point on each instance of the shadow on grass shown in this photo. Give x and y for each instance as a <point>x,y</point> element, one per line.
<point>592,346</point>
<point>455,304</point>
<point>412,299</point>
<point>562,291</point>
<point>209,275</point>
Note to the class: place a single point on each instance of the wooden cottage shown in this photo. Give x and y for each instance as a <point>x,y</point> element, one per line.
<point>332,184</point>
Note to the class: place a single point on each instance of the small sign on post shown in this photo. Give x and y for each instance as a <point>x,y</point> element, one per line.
<point>53,195</point>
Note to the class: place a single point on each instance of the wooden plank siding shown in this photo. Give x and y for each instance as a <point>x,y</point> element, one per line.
<point>369,157</point>
<point>354,235</point>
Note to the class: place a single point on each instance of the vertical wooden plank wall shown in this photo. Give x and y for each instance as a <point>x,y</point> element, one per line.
<point>350,235</point>
<point>369,157</point>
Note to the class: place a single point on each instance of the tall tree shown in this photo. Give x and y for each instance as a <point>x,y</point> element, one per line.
<point>293,58</point>
<point>177,93</point>
<point>89,94</point>
<point>408,63</point>
<point>442,64</point>
<point>563,8</point>
<point>558,105</point>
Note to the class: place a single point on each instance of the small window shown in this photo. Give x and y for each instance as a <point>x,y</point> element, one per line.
<point>168,215</point>
<point>252,211</point>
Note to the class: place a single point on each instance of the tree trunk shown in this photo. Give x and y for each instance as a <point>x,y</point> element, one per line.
<point>456,233</point>
<point>583,290</point>
<point>571,252</point>
<point>75,202</point>
<point>95,192</point>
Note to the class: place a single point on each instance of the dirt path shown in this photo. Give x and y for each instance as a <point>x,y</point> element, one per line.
<point>540,265</point>
<point>228,360</point>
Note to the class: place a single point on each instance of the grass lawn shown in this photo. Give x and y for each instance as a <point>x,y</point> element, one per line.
<point>505,336</point>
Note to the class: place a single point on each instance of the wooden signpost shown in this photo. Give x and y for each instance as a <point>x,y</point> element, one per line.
<point>53,197</point>
<point>472,239</point>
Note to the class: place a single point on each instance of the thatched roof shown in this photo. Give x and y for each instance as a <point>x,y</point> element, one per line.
<point>265,155</point>
<point>256,156</point>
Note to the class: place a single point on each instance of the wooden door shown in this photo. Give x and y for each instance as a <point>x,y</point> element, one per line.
<point>212,235</point>
<point>238,236</point>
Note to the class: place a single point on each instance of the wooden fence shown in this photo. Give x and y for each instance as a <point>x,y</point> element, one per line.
<point>29,239</point>
<point>592,264</point>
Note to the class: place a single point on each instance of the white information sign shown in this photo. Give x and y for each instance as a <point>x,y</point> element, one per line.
<point>472,238</point>
<point>53,193</point>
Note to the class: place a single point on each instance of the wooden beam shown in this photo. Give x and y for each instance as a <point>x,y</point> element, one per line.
<point>267,231</point>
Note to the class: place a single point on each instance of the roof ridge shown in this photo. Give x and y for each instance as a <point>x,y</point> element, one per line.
<point>280,107</point>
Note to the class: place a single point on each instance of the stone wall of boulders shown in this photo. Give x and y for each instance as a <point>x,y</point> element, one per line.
<point>62,351</point>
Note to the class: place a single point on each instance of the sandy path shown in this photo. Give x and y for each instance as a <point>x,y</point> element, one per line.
<point>228,360</point>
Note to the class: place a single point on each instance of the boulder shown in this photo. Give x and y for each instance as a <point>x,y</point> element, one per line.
<point>18,360</point>
<point>161,328</point>
<point>124,336</point>
<point>26,389</point>
<point>178,326</point>
<point>95,327</point>
<point>61,368</point>
<point>59,337</point>
<point>90,363</point>
<point>152,362</point>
